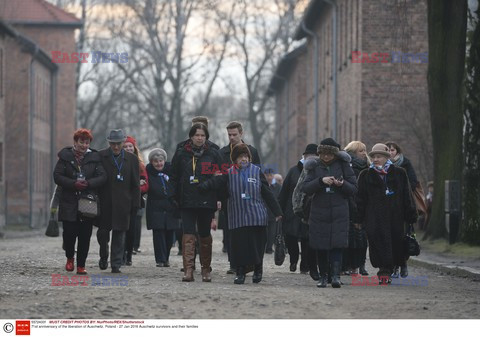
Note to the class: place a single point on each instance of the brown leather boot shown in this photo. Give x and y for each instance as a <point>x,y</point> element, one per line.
<point>188,247</point>
<point>206,257</point>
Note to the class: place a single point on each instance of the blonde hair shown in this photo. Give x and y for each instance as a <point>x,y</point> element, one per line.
<point>355,146</point>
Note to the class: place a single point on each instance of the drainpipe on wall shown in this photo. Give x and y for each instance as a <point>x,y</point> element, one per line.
<point>30,134</point>
<point>286,119</point>
<point>334,68</point>
<point>53,130</point>
<point>315,77</point>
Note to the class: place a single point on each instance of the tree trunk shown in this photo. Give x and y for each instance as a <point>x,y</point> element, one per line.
<point>447,24</point>
<point>470,231</point>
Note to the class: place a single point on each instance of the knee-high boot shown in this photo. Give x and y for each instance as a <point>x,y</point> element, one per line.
<point>206,257</point>
<point>188,244</point>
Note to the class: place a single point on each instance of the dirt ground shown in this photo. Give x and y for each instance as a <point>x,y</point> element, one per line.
<point>27,265</point>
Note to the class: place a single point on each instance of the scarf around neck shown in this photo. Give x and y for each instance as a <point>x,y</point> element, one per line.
<point>382,170</point>
<point>78,155</point>
<point>398,160</point>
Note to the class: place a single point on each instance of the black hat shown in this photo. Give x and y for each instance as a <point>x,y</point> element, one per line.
<point>311,149</point>
<point>116,136</point>
<point>328,145</point>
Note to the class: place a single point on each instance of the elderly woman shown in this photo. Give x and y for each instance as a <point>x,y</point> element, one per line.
<point>160,206</point>
<point>384,206</point>
<point>332,182</point>
<point>196,209</point>
<point>78,171</point>
<point>247,191</point>
<point>355,255</point>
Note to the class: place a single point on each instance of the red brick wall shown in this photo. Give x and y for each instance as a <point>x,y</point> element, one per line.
<point>395,95</point>
<point>17,98</point>
<point>376,102</point>
<point>62,39</point>
<point>2,130</point>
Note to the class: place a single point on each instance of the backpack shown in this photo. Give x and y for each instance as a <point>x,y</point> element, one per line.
<point>301,202</point>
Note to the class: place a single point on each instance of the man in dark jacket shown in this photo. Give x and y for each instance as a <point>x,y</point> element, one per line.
<point>118,198</point>
<point>235,135</point>
<point>272,223</point>
<point>293,227</point>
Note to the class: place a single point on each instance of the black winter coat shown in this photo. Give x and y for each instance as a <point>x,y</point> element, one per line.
<point>65,176</point>
<point>406,164</point>
<point>186,194</point>
<point>160,205</point>
<point>225,152</point>
<point>119,199</point>
<point>384,216</point>
<point>292,224</point>
<point>329,213</point>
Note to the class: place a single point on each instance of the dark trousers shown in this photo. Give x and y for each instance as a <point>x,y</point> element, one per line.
<point>130,235</point>
<point>178,237</point>
<point>271,233</point>
<point>81,230</point>
<point>117,248</point>
<point>138,232</point>
<point>292,245</point>
<point>197,219</point>
<point>162,243</point>
<point>326,258</point>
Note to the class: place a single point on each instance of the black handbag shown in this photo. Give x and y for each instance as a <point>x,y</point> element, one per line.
<point>52,228</point>
<point>280,248</point>
<point>412,248</point>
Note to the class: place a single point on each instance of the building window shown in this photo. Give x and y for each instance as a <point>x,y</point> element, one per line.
<point>1,161</point>
<point>1,72</point>
<point>357,136</point>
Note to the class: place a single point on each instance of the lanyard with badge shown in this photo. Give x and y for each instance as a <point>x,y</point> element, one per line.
<point>119,167</point>
<point>245,180</point>
<point>194,180</point>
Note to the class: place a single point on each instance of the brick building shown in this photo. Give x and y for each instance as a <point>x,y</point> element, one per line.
<point>373,101</point>
<point>38,106</point>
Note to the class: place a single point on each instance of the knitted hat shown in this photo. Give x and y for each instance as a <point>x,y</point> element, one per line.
<point>328,145</point>
<point>157,153</point>
<point>240,149</point>
<point>311,149</point>
<point>132,140</point>
<point>380,148</point>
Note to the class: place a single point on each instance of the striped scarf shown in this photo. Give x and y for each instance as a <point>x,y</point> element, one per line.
<point>382,170</point>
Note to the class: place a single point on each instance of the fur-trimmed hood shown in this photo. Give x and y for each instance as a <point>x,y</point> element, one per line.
<point>312,162</point>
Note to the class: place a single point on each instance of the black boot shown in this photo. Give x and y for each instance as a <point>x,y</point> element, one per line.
<point>257,273</point>
<point>336,266</point>
<point>362,270</point>
<point>240,278</point>
<point>314,274</point>
<point>323,281</point>
<point>129,259</point>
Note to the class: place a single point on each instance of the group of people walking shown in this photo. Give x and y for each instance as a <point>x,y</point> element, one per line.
<point>345,200</point>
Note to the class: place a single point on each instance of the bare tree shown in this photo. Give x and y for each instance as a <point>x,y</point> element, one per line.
<point>262,34</point>
<point>176,49</point>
